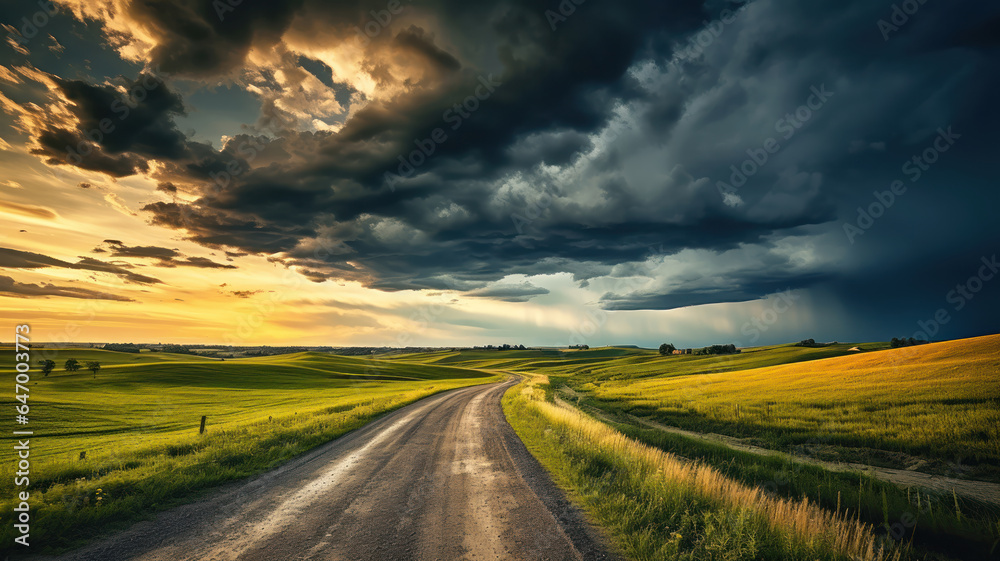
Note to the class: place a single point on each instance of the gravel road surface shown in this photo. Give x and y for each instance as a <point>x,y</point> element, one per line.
<point>445,478</point>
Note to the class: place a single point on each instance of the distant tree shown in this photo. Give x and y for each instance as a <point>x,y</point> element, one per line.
<point>177,349</point>
<point>718,350</point>
<point>47,366</point>
<point>667,349</point>
<point>906,342</point>
<point>123,347</point>
<point>72,365</point>
<point>93,366</point>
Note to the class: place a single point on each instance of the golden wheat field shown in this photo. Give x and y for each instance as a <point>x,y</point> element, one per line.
<point>941,399</point>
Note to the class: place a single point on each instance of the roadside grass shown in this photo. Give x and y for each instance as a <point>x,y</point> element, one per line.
<point>138,425</point>
<point>939,401</point>
<point>657,506</point>
<point>929,520</point>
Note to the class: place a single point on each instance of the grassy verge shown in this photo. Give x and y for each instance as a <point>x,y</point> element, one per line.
<point>138,427</point>
<point>931,521</point>
<point>659,507</point>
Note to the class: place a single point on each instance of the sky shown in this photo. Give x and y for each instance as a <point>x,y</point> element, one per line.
<point>444,173</point>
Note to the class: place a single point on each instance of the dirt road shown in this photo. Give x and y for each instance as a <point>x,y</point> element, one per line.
<point>445,478</point>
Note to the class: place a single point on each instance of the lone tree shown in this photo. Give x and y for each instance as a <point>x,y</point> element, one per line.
<point>667,349</point>
<point>47,366</point>
<point>93,366</point>
<point>72,365</point>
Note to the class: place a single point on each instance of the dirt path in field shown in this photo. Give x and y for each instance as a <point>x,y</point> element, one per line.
<point>979,490</point>
<point>443,478</point>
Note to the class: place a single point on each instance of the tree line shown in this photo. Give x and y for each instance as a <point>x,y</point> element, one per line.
<point>71,365</point>
<point>730,349</point>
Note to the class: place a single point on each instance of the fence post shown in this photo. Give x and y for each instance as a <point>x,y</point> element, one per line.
<point>202,430</point>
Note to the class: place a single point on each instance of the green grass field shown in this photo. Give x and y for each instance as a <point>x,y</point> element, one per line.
<point>137,422</point>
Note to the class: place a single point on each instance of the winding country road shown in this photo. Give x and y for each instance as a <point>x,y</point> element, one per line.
<point>445,478</point>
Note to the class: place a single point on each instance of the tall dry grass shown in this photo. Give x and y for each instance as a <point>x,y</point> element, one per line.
<point>804,524</point>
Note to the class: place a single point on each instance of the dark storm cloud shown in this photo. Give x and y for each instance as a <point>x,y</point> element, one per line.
<point>55,146</point>
<point>15,259</point>
<point>201,262</point>
<point>215,229</point>
<point>140,123</point>
<point>197,38</point>
<point>510,293</point>
<point>540,114</point>
<point>116,134</point>
<point>417,40</point>
<point>120,250</point>
<point>165,257</point>
<point>558,85</point>
<point>319,69</point>
<point>744,289</point>
<point>535,180</point>
<point>10,287</point>
<point>553,148</point>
